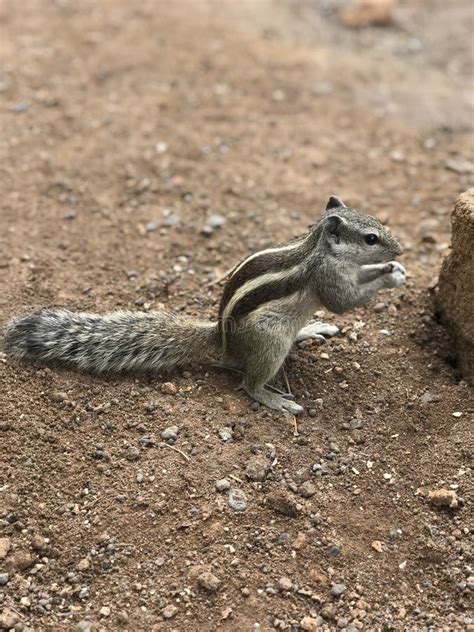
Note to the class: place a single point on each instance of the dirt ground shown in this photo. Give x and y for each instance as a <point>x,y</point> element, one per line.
<point>125,126</point>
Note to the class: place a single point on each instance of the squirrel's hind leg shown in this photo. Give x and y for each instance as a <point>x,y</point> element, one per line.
<point>261,367</point>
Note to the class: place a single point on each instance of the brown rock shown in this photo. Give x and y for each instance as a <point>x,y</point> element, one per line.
<point>307,489</point>
<point>455,298</point>
<point>443,498</point>
<point>257,469</point>
<point>39,544</point>
<point>285,583</point>
<point>197,570</point>
<point>209,582</point>
<point>168,388</point>
<point>300,541</point>
<point>169,611</point>
<point>20,561</point>
<point>226,613</point>
<point>4,547</point>
<point>83,565</point>
<point>8,619</point>
<point>58,396</point>
<point>281,502</point>
<point>309,624</point>
<point>317,577</point>
<point>368,13</point>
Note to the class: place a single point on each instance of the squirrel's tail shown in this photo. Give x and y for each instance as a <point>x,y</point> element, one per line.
<point>118,341</point>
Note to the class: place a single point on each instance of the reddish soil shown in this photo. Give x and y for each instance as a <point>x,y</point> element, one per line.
<point>118,114</point>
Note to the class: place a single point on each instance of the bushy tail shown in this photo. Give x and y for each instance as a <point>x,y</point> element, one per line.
<point>118,341</point>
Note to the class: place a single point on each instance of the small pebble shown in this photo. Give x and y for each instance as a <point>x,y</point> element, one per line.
<point>443,498</point>
<point>307,489</point>
<point>4,547</point>
<point>257,469</point>
<point>170,220</point>
<point>459,166</point>
<point>21,561</point>
<point>133,453</point>
<point>333,550</point>
<point>226,434</point>
<point>83,565</point>
<point>208,582</point>
<point>21,106</point>
<point>122,617</point>
<point>285,583</point>
<point>310,624</point>
<point>222,485</point>
<point>39,544</point>
<point>237,500</point>
<point>338,589</point>
<point>281,502</point>
<point>4,579</point>
<point>169,611</point>
<point>168,388</point>
<point>300,541</point>
<point>216,221</point>
<point>206,230</point>
<point>170,434</point>
<point>58,396</point>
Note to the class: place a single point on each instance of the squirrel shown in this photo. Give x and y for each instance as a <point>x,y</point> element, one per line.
<point>339,264</point>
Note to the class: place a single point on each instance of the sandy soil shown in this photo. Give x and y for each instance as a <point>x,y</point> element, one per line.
<point>124,127</point>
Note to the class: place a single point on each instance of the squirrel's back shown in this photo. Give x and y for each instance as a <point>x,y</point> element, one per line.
<point>118,341</point>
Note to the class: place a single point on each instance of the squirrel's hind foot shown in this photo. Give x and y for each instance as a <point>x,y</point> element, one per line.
<point>275,401</point>
<point>317,331</point>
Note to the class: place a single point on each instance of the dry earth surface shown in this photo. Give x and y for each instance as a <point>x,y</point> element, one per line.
<point>125,127</point>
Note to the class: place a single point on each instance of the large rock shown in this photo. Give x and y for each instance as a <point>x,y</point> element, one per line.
<point>456,285</point>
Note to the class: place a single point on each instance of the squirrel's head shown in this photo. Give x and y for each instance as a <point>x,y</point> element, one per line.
<point>355,236</point>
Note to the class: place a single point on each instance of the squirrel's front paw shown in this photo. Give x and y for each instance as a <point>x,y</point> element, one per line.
<point>395,275</point>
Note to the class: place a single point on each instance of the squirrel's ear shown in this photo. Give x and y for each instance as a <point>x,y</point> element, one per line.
<point>334,224</point>
<point>334,202</point>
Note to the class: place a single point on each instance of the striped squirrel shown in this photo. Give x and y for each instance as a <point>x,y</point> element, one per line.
<point>341,263</point>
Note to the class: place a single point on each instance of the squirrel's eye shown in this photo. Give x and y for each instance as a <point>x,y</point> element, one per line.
<point>371,239</point>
